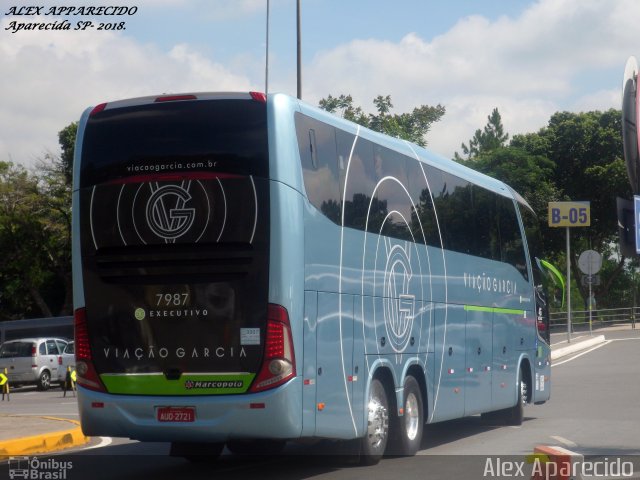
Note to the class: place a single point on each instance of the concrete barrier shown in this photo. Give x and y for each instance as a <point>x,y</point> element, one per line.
<point>576,347</point>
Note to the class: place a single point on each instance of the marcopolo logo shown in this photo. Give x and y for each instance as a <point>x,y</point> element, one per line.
<point>216,384</point>
<point>38,469</point>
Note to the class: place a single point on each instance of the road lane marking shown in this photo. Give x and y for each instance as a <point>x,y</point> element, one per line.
<point>582,353</point>
<point>563,441</point>
<point>104,442</point>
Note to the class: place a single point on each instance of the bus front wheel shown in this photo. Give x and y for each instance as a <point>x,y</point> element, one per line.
<point>515,414</point>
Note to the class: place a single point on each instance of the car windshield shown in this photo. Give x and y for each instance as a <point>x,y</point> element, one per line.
<point>16,349</point>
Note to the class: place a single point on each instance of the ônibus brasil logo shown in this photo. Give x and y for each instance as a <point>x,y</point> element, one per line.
<point>38,469</point>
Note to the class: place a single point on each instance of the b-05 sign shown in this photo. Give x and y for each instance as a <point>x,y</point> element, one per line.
<point>569,214</point>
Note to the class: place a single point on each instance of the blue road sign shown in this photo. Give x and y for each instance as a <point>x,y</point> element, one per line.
<point>636,219</point>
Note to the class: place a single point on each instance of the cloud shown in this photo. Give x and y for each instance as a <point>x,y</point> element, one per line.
<point>528,67</point>
<point>49,78</point>
<point>546,59</point>
<point>216,10</point>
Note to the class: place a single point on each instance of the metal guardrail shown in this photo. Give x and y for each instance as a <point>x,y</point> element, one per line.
<point>600,318</point>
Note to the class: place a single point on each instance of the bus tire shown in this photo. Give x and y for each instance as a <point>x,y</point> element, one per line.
<point>374,442</point>
<point>515,415</point>
<point>256,447</point>
<point>407,429</point>
<point>196,452</point>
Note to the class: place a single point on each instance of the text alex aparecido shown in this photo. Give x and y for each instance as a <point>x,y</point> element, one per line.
<point>61,18</point>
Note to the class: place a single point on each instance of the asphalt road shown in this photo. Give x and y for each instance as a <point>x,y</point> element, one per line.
<point>27,400</point>
<point>594,410</point>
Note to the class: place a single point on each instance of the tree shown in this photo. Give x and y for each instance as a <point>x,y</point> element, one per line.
<point>35,235</point>
<point>486,140</point>
<point>22,238</point>
<point>67,140</point>
<point>412,126</point>
<point>586,150</point>
<point>577,156</point>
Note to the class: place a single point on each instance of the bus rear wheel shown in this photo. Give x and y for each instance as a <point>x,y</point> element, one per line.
<point>408,428</point>
<point>374,442</point>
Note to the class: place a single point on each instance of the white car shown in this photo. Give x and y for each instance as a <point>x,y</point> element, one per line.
<point>33,361</point>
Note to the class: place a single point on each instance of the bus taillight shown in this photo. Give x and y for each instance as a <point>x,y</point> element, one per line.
<point>279,363</point>
<point>98,109</point>
<point>259,96</point>
<point>86,372</point>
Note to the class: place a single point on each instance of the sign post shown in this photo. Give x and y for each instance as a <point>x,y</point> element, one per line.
<point>636,216</point>
<point>590,263</point>
<point>569,214</point>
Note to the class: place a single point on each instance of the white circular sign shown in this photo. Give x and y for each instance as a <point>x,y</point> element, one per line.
<point>590,262</point>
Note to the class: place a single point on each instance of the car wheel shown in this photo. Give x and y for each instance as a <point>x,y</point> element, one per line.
<point>44,380</point>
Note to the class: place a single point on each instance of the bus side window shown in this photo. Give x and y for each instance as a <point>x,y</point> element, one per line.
<point>317,146</point>
<point>512,247</point>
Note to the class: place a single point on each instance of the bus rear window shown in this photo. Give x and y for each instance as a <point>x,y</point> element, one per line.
<point>226,135</point>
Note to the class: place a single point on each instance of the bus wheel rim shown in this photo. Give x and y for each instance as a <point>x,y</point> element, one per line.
<point>378,422</point>
<point>411,416</point>
<point>523,392</point>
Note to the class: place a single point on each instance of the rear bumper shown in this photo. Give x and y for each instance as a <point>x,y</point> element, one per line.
<point>218,418</point>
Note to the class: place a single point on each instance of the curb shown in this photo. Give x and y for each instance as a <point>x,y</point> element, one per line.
<point>563,461</point>
<point>576,347</point>
<point>44,443</point>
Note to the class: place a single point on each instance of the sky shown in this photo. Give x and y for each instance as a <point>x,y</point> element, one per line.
<point>527,58</point>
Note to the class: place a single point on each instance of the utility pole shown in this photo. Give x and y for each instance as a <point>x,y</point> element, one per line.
<point>266,61</point>
<point>299,51</point>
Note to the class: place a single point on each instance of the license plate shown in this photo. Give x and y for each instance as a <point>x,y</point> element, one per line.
<point>176,414</point>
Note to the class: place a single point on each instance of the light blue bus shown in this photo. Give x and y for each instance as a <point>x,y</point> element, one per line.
<point>250,270</point>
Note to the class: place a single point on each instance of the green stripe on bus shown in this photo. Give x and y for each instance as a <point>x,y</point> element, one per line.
<point>187,384</point>
<point>510,311</point>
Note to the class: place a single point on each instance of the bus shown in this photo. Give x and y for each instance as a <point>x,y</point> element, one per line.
<point>250,270</point>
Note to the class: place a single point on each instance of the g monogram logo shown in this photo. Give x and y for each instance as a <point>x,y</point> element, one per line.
<point>166,214</point>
